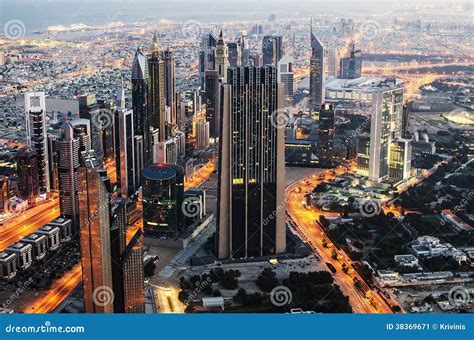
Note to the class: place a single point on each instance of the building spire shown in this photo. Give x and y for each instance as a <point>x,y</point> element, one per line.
<point>155,47</point>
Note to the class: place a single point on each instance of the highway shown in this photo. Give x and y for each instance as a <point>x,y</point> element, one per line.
<point>29,221</point>
<point>200,176</point>
<point>361,302</point>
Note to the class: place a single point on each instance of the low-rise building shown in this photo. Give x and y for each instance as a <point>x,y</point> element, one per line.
<point>52,234</point>
<point>38,243</point>
<point>7,265</point>
<point>23,252</point>
<point>65,228</point>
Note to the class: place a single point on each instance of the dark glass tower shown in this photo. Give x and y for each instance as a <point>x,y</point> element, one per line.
<point>170,86</point>
<point>27,170</point>
<point>163,195</point>
<point>272,49</point>
<point>251,211</point>
<point>316,73</point>
<point>327,133</point>
<point>211,99</point>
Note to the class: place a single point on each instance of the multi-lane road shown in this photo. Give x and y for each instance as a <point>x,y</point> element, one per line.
<point>361,300</point>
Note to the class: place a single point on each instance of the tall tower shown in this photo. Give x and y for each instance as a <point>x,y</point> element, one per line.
<point>251,189</point>
<point>211,100</point>
<point>222,57</point>
<point>327,133</point>
<point>286,77</point>
<point>27,171</point>
<point>207,57</point>
<point>272,49</point>
<point>94,211</point>
<point>36,135</point>
<point>126,243</point>
<point>89,109</point>
<point>170,85</point>
<point>125,152</point>
<point>316,72</point>
<point>75,138</point>
<point>156,91</point>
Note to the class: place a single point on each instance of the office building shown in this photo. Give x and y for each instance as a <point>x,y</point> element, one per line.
<point>351,66</point>
<point>212,101</point>
<point>139,101</point>
<point>7,265</point>
<point>163,195</point>
<point>327,134</point>
<point>53,162</point>
<point>75,138</point>
<point>166,151</point>
<point>286,77</point>
<point>4,194</point>
<point>94,212</point>
<point>207,57</point>
<point>36,135</point>
<point>24,254</point>
<point>127,261</point>
<point>27,171</point>
<point>317,66</point>
<point>169,61</point>
<point>400,159</point>
<point>235,54</point>
<point>156,91</point>
<point>299,152</point>
<point>202,134</point>
<point>100,119</point>
<point>53,237</point>
<point>251,213</point>
<point>125,152</point>
<point>65,228</point>
<point>222,57</point>
<point>38,244</point>
<point>272,49</point>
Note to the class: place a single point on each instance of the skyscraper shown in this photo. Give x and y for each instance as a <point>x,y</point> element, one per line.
<point>286,77</point>
<point>94,211</point>
<point>222,57</point>
<point>212,102</point>
<point>272,49</point>
<point>170,85</point>
<point>235,54</point>
<point>163,195</point>
<point>202,134</point>
<point>156,91</point>
<point>327,133</point>
<point>36,135</point>
<point>351,66</point>
<point>90,109</point>
<point>75,138</point>
<point>139,101</point>
<point>27,171</point>
<point>4,194</point>
<point>125,152</point>
<point>251,208</point>
<point>316,72</point>
<point>127,260</point>
<point>207,57</point>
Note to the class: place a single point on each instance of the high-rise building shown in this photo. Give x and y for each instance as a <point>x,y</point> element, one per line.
<point>235,54</point>
<point>251,189</point>
<point>170,84</point>
<point>400,159</point>
<point>317,65</point>
<point>75,138</point>
<point>245,50</point>
<point>163,196</point>
<point>27,170</point>
<point>127,261</point>
<point>139,101</point>
<point>94,211</point>
<point>202,134</point>
<point>207,57</point>
<point>125,152</point>
<point>36,135</point>
<point>222,57</point>
<point>53,162</point>
<point>166,151</point>
<point>327,133</point>
<point>89,109</point>
<point>212,101</point>
<point>156,91</point>
<point>286,77</point>
<point>272,49</point>
<point>351,66</point>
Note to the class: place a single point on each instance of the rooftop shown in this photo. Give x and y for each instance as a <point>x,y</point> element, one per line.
<point>363,84</point>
